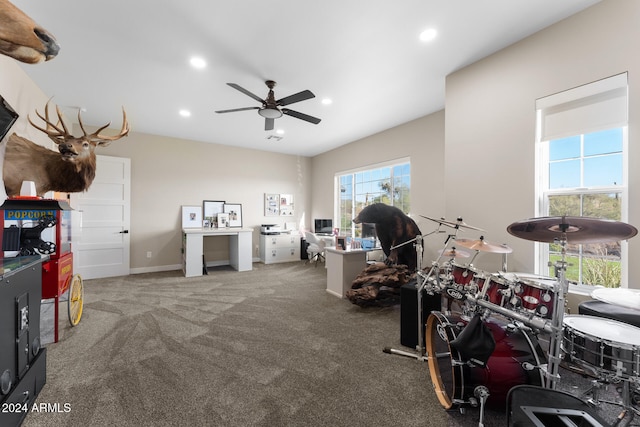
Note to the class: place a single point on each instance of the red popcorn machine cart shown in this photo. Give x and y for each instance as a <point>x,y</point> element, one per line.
<point>35,226</point>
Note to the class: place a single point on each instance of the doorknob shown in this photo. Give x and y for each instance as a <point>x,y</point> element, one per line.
<point>124,232</point>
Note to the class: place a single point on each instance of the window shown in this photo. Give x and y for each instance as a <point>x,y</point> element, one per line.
<point>389,184</point>
<point>581,166</point>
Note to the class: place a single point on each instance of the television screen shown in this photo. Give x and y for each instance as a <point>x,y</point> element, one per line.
<point>7,117</point>
<point>323,226</point>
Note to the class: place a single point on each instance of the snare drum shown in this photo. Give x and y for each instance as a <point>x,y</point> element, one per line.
<point>513,361</point>
<point>534,296</point>
<point>601,345</point>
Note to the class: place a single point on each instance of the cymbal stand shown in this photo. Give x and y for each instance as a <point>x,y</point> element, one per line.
<point>561,286</point>
<point>421,352</point>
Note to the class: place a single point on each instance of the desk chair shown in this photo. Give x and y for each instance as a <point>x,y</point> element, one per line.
<point>315,248</point>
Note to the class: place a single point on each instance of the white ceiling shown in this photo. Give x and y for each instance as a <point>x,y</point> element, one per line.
<point>364,55</point>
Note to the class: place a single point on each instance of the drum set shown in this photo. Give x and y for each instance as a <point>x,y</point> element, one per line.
<point>513,314</point>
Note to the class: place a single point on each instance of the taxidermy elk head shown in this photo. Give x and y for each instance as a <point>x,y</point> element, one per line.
<point>70,170</point>
<point>23,39</point>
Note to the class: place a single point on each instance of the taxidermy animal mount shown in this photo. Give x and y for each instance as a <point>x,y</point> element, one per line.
<point>23,39</point>
<point>393,227</point>
<point>70,170</point>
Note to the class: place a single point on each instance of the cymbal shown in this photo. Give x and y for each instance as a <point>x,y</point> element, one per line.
<point>573,229</point>
<point>483,246</point>
<point>457,224</point>
<point>454,253</point>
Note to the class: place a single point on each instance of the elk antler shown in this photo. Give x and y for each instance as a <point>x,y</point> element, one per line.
<point>59,133</point>
<point>53,131</point>
<point>105,140</point>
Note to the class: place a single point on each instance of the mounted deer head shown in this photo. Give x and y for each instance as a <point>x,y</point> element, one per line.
<point>23,39</point>
<point>70,171</point>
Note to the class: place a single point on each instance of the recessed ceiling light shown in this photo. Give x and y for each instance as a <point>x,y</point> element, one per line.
<point>428,35</point>
<point>280,132</point>
<point>185,113</point>
<point>327,101</point>
<point>197,62</point>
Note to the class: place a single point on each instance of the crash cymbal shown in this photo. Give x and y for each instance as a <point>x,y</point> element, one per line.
<point>454,253</point>
<point>572,229</point>
<point>483,246</point>
<point>458,224</point>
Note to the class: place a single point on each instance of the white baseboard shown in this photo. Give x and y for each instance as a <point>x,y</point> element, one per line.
<point>159,268</point>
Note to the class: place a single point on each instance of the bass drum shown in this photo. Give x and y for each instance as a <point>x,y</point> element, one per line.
<point>513,362</point>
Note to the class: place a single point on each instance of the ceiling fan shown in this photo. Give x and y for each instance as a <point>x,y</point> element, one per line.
<point>270,106</point>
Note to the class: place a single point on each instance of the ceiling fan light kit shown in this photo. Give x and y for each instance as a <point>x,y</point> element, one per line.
<point>270,106</point>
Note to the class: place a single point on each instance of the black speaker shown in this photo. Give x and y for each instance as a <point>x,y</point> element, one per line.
<point>409,312</point>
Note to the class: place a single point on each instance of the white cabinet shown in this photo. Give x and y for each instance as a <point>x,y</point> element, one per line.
<point>279,248</point>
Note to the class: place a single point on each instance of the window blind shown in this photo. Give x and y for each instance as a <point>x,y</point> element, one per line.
<point>595,106</point>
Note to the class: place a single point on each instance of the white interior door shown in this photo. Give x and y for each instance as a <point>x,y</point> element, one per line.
<point>100,241</point>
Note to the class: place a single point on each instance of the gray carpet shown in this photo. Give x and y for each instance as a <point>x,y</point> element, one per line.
<point>268,347</point>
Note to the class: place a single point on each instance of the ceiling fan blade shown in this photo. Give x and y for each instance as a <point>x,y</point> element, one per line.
<point>296,97</point>
<point>301,116</point>
<point>268,124</point>
<point>238,109</point>
<point>246,92</point>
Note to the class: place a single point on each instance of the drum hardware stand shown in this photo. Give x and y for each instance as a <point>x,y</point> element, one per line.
<point>561,286</point>
<point>421,352</point>
<point>482,393</point>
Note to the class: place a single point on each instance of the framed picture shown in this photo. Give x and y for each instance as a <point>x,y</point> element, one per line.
<point>271,204</point>
<point>223,220</point>
<point>211,209</point>
<point>286,205</point>
<point>235,214</point>
<point>191,217</point>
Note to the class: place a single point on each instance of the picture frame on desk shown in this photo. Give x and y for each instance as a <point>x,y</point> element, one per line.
<point>191,217</point>
<point>341,243</point>
<point>235,214</point>
<point>211,208</point>
<point>223,220</point>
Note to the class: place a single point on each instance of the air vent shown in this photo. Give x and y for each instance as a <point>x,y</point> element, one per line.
<point>276,137</point>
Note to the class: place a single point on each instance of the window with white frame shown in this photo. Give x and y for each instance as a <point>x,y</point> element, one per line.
<point>582,168</point>
<point>388,183</point>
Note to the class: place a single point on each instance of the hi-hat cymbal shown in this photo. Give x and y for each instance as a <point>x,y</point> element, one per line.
<point>454,253</point>
<point>483,246</point>
<point>572,229</point>
<point>457,224</point>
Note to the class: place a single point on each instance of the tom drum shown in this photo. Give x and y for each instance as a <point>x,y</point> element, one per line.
<point>534,296</point>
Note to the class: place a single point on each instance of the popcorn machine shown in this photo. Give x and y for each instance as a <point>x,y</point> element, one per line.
<point>35,226</point>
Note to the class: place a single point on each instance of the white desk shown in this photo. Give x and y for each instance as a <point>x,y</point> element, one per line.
<point>239,248</point>
<point>343,267</point>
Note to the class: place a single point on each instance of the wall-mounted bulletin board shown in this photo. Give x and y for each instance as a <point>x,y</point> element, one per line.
<point>278,204</point>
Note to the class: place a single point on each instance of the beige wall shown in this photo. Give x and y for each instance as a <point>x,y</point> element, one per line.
<point>490,120</point>
<point>167,173</point>
<point>421,140</point>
